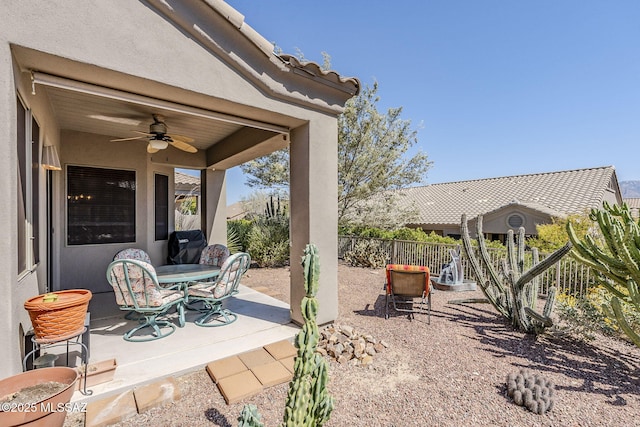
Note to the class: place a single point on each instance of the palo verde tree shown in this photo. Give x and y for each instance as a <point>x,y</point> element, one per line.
<point>372,160</point>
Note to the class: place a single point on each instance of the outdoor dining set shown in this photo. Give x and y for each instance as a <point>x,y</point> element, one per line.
<point>147,293</point>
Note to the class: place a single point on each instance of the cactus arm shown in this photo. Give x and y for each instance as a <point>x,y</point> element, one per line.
<point>511,264</point>
<point>492,293</point>
<point>545,264</point>
<point>521,248</point>
<point>495,279</point>
<point>622,322</point>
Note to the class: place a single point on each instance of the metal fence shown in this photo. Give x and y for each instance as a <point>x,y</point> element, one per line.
<point>568,276</point>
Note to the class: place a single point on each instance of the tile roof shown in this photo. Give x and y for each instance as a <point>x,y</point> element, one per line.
<point>633,203</point>
<point>555,193</point>
<point>186,179</point>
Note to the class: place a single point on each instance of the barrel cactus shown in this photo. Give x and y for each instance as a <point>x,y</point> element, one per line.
<point>531,391</point>
<point>616,261</point>
<point>513,292</point>
<point>249,417</point>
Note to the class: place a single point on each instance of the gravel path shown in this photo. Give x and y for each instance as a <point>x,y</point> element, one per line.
<point>448,373</point>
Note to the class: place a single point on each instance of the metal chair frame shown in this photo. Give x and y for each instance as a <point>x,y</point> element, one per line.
<point>403,287</point>
<point>213,314</point>
<point>148,314</point>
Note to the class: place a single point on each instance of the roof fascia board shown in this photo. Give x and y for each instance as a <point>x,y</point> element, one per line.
<point>181,13</point>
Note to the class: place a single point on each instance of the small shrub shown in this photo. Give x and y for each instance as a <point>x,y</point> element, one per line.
<point>241,229</point>
<point>366,254</point>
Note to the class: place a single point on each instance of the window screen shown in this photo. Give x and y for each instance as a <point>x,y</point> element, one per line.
<point>101,206</point>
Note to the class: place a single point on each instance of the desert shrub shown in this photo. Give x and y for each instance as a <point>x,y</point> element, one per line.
<point>583,315</point>
<point>238,230</point>
<point>366,254</point>
<point>268,238</point>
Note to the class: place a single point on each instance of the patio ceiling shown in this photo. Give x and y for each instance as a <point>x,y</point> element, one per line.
<point>119,119</point>
<point>95,100</point>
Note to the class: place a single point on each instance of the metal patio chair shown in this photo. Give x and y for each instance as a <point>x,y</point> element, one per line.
<point>213,294</point>
<point>215,254</point>
<point>403,284</point>
<point>137,290</point>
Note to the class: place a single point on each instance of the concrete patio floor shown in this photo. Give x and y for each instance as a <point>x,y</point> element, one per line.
<point>261,320</point>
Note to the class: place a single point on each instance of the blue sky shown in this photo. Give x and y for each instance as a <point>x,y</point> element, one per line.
<point>494,87</point>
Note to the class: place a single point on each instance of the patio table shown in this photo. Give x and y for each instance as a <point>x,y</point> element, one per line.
<point>184,273</point>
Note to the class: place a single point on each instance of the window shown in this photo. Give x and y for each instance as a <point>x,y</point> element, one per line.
<point>28,150</point>
<point>101,206</point>
<point>515,221</point>
<point>162,207</point>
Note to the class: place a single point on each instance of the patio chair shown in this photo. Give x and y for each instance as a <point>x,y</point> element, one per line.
<point>133,253</point>
<point>137,290</point>
<point>403,284</point>
<point>215,254</point>
<point>213,294</point>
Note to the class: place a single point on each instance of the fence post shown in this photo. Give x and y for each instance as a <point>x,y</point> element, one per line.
<point>394,248</point>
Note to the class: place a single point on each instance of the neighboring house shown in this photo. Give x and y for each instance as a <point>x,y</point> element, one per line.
<point>512,201</point>
<point>634,206</point>
<point>187,191</point>
<point>104,85</point>
<point>236,211</point>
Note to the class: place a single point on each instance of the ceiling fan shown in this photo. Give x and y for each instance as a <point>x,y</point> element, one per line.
<point>159,139</point>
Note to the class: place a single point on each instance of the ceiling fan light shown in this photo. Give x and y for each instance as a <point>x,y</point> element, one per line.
<point>158,144</point>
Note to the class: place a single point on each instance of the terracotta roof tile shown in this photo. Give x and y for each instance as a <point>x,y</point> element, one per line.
<point>562,192</point>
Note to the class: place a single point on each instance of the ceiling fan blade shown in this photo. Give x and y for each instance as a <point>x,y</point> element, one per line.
<point>151,150</point>
<point>181,138</point>
<point>128,139</point>
<point>142,133</point>
<point>181,145</point>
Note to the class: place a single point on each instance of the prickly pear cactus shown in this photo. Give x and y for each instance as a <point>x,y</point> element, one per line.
<point>249,417</point>
<point>531,391</point>
<point>308,402</point>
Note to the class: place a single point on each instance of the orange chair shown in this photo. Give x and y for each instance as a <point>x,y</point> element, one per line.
<point>403,284</point>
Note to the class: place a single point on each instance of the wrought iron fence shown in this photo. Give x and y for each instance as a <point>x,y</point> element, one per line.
<point>568,276</point>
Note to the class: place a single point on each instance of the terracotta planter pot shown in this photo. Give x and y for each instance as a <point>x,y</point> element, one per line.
<point>45,412</point>
<point>59,319</point>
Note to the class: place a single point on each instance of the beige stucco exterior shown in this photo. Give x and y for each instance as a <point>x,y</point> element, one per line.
<point>196,53</point>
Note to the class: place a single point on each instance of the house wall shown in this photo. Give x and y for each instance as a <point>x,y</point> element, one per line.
<point>127,45</point>
<point>85,266</point>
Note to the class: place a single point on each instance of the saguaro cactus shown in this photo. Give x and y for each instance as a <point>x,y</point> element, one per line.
<point>514,292</point>
<point>618,264</point>
<point>308,402</point>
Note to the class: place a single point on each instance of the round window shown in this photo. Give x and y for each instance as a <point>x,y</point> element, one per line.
<point>515,221</point>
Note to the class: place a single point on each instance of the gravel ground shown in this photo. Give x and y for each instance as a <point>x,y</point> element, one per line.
<point>448,373</point>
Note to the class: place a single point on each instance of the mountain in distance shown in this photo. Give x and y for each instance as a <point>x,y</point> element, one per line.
<point>630,189</point>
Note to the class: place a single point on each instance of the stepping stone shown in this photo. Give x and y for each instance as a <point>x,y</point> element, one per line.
<point>111,410</point>
<point>156,394</point>
<point>281,349</point>
<point>236,387</point>
<point>256,357</point>
<point>271,374</point>
<point>225,367</point>
<point>289,363</point>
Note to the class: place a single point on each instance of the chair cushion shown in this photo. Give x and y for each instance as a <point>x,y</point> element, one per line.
<point>146,292</point>
<point>133,253</point>
<point>406,267</point>
<point>214,255</point>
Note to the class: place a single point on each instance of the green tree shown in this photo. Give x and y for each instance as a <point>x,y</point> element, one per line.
<point>554,236</point>
<point>372,149</point>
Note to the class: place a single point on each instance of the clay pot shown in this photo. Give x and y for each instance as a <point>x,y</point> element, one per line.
<point>47,412</point>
